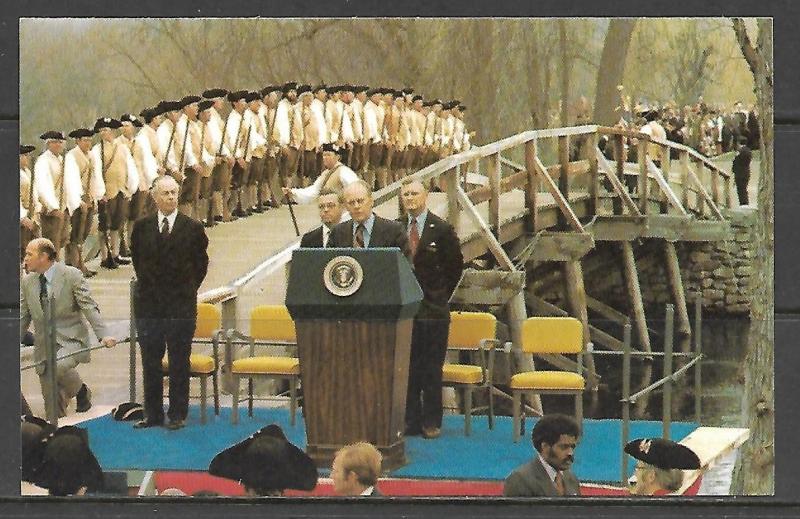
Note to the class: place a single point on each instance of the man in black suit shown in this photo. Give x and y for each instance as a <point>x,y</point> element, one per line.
<point>741,170</point>
<point>438,263</point>
<point>366,229</point>
<point>555,438</point>
<point>330,214</point>
<point>170,259</point>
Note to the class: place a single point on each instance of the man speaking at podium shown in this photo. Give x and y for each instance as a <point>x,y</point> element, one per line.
<point>366,229</point>
<point>438,263</point>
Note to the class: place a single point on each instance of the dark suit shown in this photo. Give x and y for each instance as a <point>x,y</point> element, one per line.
<point>312,238</point>
<point>741,173</point>
<point>438,264</point>
<point>385,233</point>
<point>169,272</point>
<point>532,480</point>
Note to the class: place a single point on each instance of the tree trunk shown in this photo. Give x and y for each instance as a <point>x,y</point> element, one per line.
<point>565,68</point>
<point>754,471</point>
<point>612,68</point>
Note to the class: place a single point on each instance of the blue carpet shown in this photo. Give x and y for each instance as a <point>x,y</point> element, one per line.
<point>484,454</point>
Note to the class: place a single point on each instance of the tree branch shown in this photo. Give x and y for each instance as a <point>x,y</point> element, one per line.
<point>751,55</point>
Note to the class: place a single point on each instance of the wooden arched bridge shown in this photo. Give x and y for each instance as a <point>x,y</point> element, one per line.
<point>527,208</point>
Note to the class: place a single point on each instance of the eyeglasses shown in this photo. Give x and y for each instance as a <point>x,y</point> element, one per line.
<point>356,201</point>
<point>331,205</point>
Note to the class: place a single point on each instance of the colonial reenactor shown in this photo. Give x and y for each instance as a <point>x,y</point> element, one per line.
<point>209,145</point>
<point>271,188</point>
<point>346,133</point>
<point>311,136</point>
<point>373,136</point>
<point>334,108</point>
<point>357,155</point>
<point>433,131</point>
<point>188,153</point>
<point>336,176</point>
<point>289,136</point>
<point>29,204</point>
<point>167,136</point>
<point>146,170</point>
<point>458,129</point>
<point>216,128</point>
<point>465,143</point>
<point>318,111</point>
<point>217,97</point>
<point>114,163</point>
<point>235,141</point>
<point>82,205</point>
<point>417,130</point>
<point>446,129</point>
<point>257,150</point>
<point>49,184</point>
<point>397,137</point>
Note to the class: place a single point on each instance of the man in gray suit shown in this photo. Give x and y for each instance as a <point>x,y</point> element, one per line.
<point>46,281</point>
<point>548,475</point>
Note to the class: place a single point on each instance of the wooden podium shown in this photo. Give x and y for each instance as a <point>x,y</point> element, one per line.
<point>353,310</point>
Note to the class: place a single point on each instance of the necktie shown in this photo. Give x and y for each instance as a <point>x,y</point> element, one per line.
<point>43,290</point>
<point>358,239</point>
<point>164,228</point>
<point>559,484</point>
<point>413,237</point>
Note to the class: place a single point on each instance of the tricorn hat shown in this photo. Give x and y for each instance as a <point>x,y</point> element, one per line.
<point>187,100</point>
<point>128,411</point>
<point>130,118</point>
<point>67,463</point>
<point>664,454</point>
<point>80,133</point>
<point>52,135</point>
<point>106,122</point>
<point>266,461</point>
<point>25,149</point>
<point>213,93</point>
<point>289,85</point>
<point>328,146</point>
<point>205,104</point>
<point>235,96</point>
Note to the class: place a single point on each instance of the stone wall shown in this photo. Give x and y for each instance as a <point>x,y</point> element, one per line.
<point>720,271</point>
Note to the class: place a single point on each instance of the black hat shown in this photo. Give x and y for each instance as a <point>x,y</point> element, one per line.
<point>437,102</point>
<point>235,96</point>
<point>360,88</point>
<point>266,461</point>
<point>24,149</point>
<point>187,100</point>
<point>650,115</point>
<point>347,88</point>
<point>80,133</point>
<point>128,411</point>
<point>67,463</point>
<point>130,118</point>
<point>330,147</point>
<point>252,96</point>
<point>319,87</point>
<point>106,122</point>
<point>290,85</point>
<point>148,114</point>
<point>303,89</point>
<point>407,91</point>
<point>416,98</point>
<point>462,108</point>
<point>205,104</point>
<point>33,430</point>
<point>52,135</point>
<point>664,454</point>
<point>372,91</point>
<point>213,93</point>
<point>332,89</point>
<point>166,106</point>
<point>269,89</point>
<point>449,106</point>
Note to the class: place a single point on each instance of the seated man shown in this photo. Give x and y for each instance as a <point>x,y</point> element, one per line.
<point>661,465</point>
<point>355,470</point>
<point>554,437</point>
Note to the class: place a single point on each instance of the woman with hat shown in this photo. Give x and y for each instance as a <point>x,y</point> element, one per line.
<point>661,464</point>
<point>266,464</point>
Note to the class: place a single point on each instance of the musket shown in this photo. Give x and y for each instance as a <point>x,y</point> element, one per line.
<point>183,150</point>
<point>169,146</point>
<point>106,237</point>
<point>301,151</point>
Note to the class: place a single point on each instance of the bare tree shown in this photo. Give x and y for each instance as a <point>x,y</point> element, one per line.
<point>754,472</point>
<point>612,68</point>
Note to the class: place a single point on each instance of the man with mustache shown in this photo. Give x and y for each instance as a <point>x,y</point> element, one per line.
<point>555,438</point>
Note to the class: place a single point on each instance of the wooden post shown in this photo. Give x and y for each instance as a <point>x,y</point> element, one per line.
<point>594,176</point>
<point>684,331</point>
<point>532,186</point>
<point>728,190</point>
<point>644,183</point>
<point>576,298</point>
<point>517,313</point>
<point>714,185</point>
<point>619,156</point>
<point>635,295</point>
<point>563,178</point>
<point>684,158</point>
<point>698,173</point>
<point>494,202</point>
<point>453,211</point>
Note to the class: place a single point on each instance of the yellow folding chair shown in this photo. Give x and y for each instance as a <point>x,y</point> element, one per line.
<point>269,325</point>
<point>562,335</point>
<point>475,332</point>
<point>207,331</point>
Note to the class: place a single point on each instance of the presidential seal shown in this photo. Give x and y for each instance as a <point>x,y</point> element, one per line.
<point>343,276</point>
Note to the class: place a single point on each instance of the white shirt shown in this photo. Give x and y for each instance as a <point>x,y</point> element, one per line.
<point>551,472</point>
<point>367,491</point>
<point>170,219</point>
